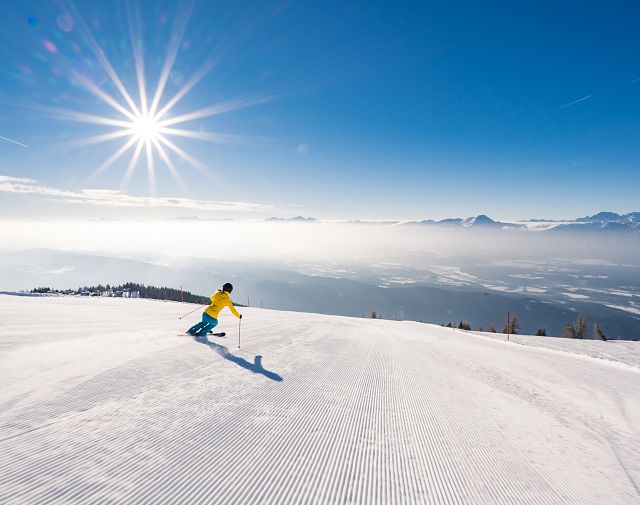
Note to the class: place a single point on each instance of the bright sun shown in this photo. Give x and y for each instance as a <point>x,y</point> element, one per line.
<point>146,128</point>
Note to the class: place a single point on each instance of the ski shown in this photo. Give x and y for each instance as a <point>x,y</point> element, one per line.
<point>221,334</point>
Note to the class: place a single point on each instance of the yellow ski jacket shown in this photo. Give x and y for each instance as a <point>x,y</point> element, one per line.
<point>219,300</point>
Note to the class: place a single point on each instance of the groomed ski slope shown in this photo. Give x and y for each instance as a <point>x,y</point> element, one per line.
<point>103,402</point>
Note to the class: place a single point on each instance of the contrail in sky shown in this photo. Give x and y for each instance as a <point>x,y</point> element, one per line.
<point>576,101</point>
<point>14,141</point>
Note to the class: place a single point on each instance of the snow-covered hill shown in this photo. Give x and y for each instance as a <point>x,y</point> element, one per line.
<point>102,401</point>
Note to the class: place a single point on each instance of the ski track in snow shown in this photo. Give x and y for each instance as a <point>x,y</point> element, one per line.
<point>103,403</point>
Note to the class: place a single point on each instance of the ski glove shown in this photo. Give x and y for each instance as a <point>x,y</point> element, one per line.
<point>240,316</point>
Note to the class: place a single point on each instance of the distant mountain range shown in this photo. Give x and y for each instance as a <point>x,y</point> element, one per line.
<point>609,217</point>
<point>608,221</point>
<point>480,221</point>
<point>296,218</point>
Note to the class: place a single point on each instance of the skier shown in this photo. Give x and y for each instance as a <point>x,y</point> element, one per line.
<point>219,300</point>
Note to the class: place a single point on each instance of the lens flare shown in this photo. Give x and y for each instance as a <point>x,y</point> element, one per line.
<point>145,121</point>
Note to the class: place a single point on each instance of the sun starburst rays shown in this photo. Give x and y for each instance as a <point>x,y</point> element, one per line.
<point>147,124</point>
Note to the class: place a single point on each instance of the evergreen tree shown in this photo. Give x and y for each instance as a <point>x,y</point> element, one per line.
<point>41,290</point>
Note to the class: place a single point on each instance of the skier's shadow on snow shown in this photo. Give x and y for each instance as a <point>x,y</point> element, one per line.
<point>255,367</point>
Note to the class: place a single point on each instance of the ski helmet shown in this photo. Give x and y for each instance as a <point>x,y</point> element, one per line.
<point>228,287</point>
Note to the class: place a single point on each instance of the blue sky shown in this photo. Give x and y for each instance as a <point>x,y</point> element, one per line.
<point>369,110</point>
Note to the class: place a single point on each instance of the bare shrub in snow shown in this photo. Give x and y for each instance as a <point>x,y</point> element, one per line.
<point>512,326</point>
<point>577,329</point>
<point>597,331</point>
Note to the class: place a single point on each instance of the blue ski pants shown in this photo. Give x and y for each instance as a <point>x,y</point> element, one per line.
<point>204,326</point>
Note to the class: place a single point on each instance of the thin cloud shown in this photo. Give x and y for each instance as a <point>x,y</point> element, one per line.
<point>586,97</point>
<point>113,198</point>
<point>14,141</point>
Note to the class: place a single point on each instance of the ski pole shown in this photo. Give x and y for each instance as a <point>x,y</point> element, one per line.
<point>239,323</point>
<point>192,311</point>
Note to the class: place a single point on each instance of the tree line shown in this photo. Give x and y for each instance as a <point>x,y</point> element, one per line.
<point>151,292</point>
<point>577,329</point>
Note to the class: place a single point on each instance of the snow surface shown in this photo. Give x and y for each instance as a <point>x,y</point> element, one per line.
<point>102,401</point>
